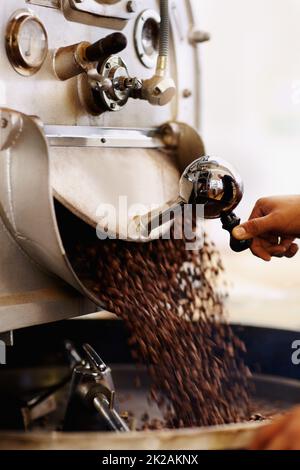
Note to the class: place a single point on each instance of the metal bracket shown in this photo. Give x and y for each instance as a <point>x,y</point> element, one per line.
<point>94,13</point>
<point>84,136</point>
<point>11,124</point>
<point>110,14</point>
<point>45,3</point>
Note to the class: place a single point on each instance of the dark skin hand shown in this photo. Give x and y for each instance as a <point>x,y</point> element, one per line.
<point>274,225</point>
<point>282,434</point>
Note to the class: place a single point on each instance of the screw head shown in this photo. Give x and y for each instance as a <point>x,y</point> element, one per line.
<point>187,93</point>
<point>3,123</point>
<point>131,6</point>
<point>113,105</point>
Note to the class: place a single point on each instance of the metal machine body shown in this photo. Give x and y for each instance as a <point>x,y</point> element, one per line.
<point>53,144</point>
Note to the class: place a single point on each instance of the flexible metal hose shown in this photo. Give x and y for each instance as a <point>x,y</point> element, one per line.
<point>164,28</point>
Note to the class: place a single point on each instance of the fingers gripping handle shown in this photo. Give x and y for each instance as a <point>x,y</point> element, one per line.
<point>229,222</point>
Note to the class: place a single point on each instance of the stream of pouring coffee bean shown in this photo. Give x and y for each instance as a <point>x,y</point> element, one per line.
<point>168,299</point>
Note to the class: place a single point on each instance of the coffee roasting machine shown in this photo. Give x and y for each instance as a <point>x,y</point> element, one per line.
<point>97,102</point>
<point>83,111</point>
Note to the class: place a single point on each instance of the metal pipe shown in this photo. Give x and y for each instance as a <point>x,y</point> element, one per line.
<point>164,28</point>
<point>162,59</point>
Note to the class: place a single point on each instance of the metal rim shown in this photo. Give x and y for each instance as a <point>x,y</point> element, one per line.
<point>148,60</point>
<point>15,56</point>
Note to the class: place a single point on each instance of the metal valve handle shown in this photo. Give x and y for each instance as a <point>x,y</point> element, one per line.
<point>100,50</point>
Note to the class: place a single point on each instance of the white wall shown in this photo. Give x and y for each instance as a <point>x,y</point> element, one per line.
<point>251,109</point>
<point>251,91</point>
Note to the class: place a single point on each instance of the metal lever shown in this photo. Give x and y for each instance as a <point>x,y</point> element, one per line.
<point>92,397</point>
<point>229,222</point>
<point>100,50</point>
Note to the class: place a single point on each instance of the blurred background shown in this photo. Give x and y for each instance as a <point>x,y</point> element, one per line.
<point>251,117</point>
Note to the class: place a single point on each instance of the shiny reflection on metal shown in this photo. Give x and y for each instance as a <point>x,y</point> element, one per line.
<point>207,181</point>
<point>95,13</point>
<point>84,136</point>
<point>30,220</point>
<point>214,183</point>
<point>11,124</point>
<point>146,36</point>
<point>45,3</point>
<point>92,383</point>
<point>26,42</point>
<point>113,69</point>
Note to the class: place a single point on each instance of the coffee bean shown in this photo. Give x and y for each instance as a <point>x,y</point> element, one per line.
<point>171,303</point>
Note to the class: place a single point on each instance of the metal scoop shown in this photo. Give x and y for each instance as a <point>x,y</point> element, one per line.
<point>208,181</point>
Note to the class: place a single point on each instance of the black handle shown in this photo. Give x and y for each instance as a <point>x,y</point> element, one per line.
<point>229,222</point>
<point>105,47</point>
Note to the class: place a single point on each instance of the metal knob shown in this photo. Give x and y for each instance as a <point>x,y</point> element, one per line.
<point>213,183</point>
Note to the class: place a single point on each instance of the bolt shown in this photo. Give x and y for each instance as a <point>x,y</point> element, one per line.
<point>3,123</point>
<point>187,93</point>
<point>113,105</point>
<point>103,140</point>
<point>107,66</point>
<point>131,6</point>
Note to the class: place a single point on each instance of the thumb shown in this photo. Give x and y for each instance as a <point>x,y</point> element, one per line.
<point>253,228</point>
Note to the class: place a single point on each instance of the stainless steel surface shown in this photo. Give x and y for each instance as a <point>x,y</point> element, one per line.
<point>29,237</point>
<point>101,137</point>
<point>214,183</point>
<point>113,68</point>
<point>68,61</point>
<point>207,181</point>
<point>93,11</point>
<point>276,393</point>
<point>26,205</point>
<point>57,103</point>
<point>37,283</point>
<point>45,3</point>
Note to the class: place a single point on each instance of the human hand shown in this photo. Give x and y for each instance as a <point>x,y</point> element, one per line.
<point>274,224</point>
<point>282,434</point>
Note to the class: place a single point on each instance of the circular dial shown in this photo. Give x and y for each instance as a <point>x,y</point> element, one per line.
<point>26,42</point>
<point>32,42</point>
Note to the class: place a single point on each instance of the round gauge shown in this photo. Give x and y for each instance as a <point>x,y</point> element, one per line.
<point>26,42</point>
<point>147,37</point>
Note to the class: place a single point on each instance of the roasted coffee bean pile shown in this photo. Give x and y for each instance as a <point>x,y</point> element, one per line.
<point>168,298</point>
